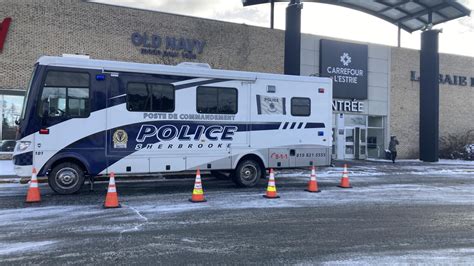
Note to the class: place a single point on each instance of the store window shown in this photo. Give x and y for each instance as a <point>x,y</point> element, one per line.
<point>376,137</point>
<point>10,110</point>
<point>355,120</point>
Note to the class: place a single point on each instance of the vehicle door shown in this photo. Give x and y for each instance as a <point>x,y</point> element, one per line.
<point>64,107</point>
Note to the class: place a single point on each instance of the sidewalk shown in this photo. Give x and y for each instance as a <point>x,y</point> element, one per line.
<point>403,162</point>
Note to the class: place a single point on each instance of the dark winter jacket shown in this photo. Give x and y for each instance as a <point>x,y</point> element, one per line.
<point>392,146</point>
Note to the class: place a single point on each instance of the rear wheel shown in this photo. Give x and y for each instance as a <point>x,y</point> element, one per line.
<point>247,173</point>
<point>66,178</point>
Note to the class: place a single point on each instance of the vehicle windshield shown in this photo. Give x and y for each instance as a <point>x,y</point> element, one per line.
<point>28,89</point>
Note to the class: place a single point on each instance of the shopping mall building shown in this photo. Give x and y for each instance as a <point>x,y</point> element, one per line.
<point>378,86</point>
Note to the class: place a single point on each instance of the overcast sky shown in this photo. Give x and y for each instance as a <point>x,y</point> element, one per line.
<point>318,19</point>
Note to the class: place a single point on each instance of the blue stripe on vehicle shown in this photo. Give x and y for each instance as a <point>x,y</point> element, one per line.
<point>92,148</point>
<point>293,125</point>
<point>315,125</point>
<point>98,91</point>
<point>117,101</point>
<point>286,125</point>
<point>300,125</point>
<point>199,83</point>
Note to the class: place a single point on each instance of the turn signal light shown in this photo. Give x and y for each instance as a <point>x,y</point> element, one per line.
<point>321,90</point>
<point>44,131</point>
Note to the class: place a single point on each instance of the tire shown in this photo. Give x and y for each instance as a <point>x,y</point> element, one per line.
<point>220,175</point>
<point>247,173</point>
<point>66,178</point>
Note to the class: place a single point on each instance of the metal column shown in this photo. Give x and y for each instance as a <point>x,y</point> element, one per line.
<point>429,96</point>
<point>293,38</point>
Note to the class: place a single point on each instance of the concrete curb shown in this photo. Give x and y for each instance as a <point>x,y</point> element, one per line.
<point>9,181</point>
<point>25,180</point>
<point>7,176</point>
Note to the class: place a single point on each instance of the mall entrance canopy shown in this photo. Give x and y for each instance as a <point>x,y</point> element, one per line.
<point>409,15</point>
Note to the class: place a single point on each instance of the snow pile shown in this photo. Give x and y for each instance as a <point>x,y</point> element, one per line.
<point>6,168</point>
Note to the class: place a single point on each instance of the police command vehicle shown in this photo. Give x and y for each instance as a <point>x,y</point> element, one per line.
<point>84,118</point>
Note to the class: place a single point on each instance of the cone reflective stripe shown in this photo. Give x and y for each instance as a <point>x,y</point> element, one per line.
<point>345,178</point>
<point>198,193</point>
<point>33,194</point>
<point>111,200</point>
<point>271,188</point>
<point>313,184</point>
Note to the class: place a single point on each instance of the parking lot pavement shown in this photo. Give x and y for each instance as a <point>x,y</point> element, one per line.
<point>411,215</point>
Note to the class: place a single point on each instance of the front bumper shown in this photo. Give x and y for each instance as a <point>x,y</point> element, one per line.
<point>23,170</point>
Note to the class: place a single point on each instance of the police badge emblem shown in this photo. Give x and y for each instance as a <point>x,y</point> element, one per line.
<point>120,139</point>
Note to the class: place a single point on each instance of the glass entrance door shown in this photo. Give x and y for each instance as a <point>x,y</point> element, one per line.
<point>349,146</point>
<point>355,143</point>
<point>360,143</point>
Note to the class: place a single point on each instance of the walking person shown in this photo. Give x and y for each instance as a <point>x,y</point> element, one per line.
<point>392,147</point>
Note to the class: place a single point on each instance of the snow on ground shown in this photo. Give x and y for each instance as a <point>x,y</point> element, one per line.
<point>140,210</point>
<point>9,248</point>
<point>6,168</point>
<point>379,170</point>
<point>441,161</point>
<point>464,256</point>
<point>154,206</point>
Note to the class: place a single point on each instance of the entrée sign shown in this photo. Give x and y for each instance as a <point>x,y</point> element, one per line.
<point>347,106</point>
<point>168,46</point>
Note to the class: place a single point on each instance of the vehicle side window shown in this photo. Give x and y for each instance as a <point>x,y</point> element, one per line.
<point>146,97</point>
<point>300,106</point>
<point>65,94</point>
<point>216,100</point>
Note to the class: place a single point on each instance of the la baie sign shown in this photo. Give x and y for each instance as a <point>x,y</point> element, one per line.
<point>448,79</point>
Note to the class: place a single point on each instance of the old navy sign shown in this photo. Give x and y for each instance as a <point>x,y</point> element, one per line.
<point>346,64</point>
<point>4,26</point>
<point>168,46</point>
<point>447,79</point>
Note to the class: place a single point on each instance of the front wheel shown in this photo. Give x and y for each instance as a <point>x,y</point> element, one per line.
<point>66,178</point>
<point>247,173</point>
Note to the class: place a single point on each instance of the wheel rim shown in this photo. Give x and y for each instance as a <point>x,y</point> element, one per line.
<point>67,178</point>
<point>248,172</point>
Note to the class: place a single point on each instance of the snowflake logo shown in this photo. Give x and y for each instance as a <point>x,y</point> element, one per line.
<point>346,59</point>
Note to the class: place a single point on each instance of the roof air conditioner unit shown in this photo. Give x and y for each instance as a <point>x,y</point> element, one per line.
<point>195,65</point>
<point>81,56</point>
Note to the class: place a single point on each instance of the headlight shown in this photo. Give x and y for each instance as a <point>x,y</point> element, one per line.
<point>23,145</point>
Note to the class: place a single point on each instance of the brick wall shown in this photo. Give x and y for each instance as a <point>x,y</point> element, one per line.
<point>455,111</point>
<point>55,27</point>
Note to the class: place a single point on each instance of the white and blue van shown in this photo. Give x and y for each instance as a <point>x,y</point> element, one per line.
<point>84,118</point>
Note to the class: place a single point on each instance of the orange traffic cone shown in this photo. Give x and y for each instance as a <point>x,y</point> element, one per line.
<point>198,194</point>
<point>33,191</point>
<point>345,178</point>
<point>111,200</point>
<point>271,189</point>
<point>313,184</point>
